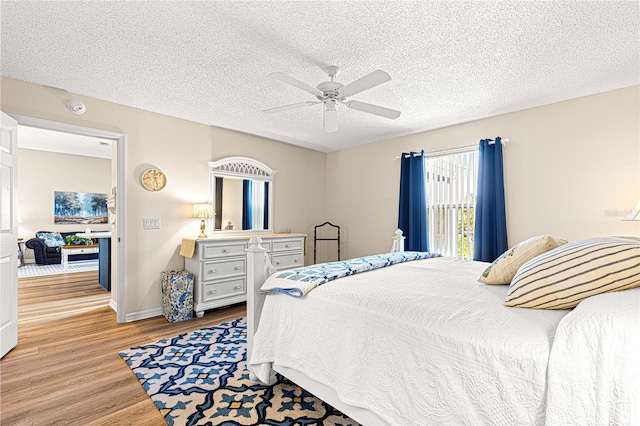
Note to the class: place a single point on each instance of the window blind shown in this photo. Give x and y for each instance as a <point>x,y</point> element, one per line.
<point>451,200</point>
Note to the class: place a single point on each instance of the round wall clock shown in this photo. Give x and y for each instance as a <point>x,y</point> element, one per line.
<point>153,179</point>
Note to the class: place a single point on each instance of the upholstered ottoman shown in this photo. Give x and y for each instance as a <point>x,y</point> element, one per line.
<point>177,295</point>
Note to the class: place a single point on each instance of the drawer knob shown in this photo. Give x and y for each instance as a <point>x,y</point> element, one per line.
<point>211,292</point>
<point>295,260</point>
<point>236,268</point>
<point>236,287</point>
<point>278,262</point>
<point>287,245</point>
<point>212,271</point>
<point>225,250</point>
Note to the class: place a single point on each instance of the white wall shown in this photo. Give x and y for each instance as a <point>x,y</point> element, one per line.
<point>571,170</point>
<point>181,149</point>
<point>42,173</point>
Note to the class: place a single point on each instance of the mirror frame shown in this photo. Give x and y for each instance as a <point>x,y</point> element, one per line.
<point>241,168</point>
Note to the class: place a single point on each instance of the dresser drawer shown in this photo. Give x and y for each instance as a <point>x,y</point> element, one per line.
<point>88,250</point>
<point>286,261</point>
<point>214,269</point>
<point>287,245</point>
<point>223,249</point>
<point>224,288</point>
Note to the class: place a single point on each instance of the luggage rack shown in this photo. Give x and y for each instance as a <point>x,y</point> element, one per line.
<point>316,239</point>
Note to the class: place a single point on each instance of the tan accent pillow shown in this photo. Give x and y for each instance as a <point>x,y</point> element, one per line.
<point>504,268</point>
<point>565,276</point>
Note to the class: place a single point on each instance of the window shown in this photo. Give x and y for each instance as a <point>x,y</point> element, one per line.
<point>451,201</point>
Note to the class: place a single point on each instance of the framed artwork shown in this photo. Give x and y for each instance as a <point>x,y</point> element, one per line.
<point>79,208</point>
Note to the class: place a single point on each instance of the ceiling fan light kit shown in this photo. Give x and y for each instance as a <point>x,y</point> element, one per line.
<point>330,93</point>
<point>330,116</point>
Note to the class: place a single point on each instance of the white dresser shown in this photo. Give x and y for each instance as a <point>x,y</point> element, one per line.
<point>219,266</point>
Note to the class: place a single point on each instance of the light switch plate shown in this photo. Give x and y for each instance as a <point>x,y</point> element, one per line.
<point>150,223</point>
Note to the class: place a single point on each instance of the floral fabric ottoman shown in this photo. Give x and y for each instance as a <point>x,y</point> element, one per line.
<point>177,295</point>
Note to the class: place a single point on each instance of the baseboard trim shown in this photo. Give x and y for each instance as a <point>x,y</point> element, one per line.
<point>140,315</point>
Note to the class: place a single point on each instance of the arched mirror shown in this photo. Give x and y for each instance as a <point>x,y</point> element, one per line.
<point>242,195</point>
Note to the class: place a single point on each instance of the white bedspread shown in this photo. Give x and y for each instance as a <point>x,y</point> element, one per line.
<point>594,367</point>
<point>424,343</point>
<point>417,343</point>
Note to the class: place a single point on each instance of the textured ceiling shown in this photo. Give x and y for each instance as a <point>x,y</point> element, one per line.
<point>208,62</point>
<point>65,143</point>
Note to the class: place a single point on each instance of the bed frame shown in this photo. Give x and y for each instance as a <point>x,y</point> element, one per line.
<point>257,265</point>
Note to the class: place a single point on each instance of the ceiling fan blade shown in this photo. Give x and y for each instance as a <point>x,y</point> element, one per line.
<point>297,83</point>
<point>292,106</point>
<point>367,82</point>
<point>330,116</point>
<point>373,109</point>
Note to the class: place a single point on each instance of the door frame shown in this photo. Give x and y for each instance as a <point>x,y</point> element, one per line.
<point>121,198</point>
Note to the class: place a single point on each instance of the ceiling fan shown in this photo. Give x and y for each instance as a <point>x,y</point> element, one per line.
<point>330,93</point>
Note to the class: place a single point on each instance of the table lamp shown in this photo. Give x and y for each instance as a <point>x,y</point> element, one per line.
<point>202,212</point>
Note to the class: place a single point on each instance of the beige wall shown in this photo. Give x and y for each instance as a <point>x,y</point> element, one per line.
<point>571,170</point>
<point>181,149</point>
<point>232,203</point>
<point>42,173</point>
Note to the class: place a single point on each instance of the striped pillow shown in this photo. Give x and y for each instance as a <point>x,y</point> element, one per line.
<point>563,277</point>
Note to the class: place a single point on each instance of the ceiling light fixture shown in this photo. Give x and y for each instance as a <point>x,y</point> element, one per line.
<point>77,107</point>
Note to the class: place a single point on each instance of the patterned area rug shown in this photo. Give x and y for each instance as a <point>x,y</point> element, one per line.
<point>199,378</point>
<point>33,270</point>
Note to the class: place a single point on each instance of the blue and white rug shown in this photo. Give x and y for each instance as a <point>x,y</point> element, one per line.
<point>199,378</point>
<point>33,270</point>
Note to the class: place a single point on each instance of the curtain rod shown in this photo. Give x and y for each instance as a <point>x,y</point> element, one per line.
<point>447,151</point>
<point>503,141</point>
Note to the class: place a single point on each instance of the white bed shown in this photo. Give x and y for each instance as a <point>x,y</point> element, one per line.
<point>423,342</point>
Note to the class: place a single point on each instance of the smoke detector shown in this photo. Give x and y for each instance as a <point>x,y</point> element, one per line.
<point>77,107</point>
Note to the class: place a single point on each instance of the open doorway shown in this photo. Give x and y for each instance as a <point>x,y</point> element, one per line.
<point>64,184</point>
<point>54,154</point>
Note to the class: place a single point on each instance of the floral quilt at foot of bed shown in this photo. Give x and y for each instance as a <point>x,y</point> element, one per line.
<point>300,281</point>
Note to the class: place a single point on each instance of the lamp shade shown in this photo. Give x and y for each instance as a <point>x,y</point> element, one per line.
<point>202,211</point>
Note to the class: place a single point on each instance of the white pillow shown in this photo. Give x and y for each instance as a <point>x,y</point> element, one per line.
<point>504,268</point>
<point>565,276</point>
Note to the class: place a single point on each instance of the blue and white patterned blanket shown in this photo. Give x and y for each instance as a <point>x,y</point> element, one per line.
<point>300,281</point>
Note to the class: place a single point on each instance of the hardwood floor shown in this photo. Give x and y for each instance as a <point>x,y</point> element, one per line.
<point>66,369</point>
